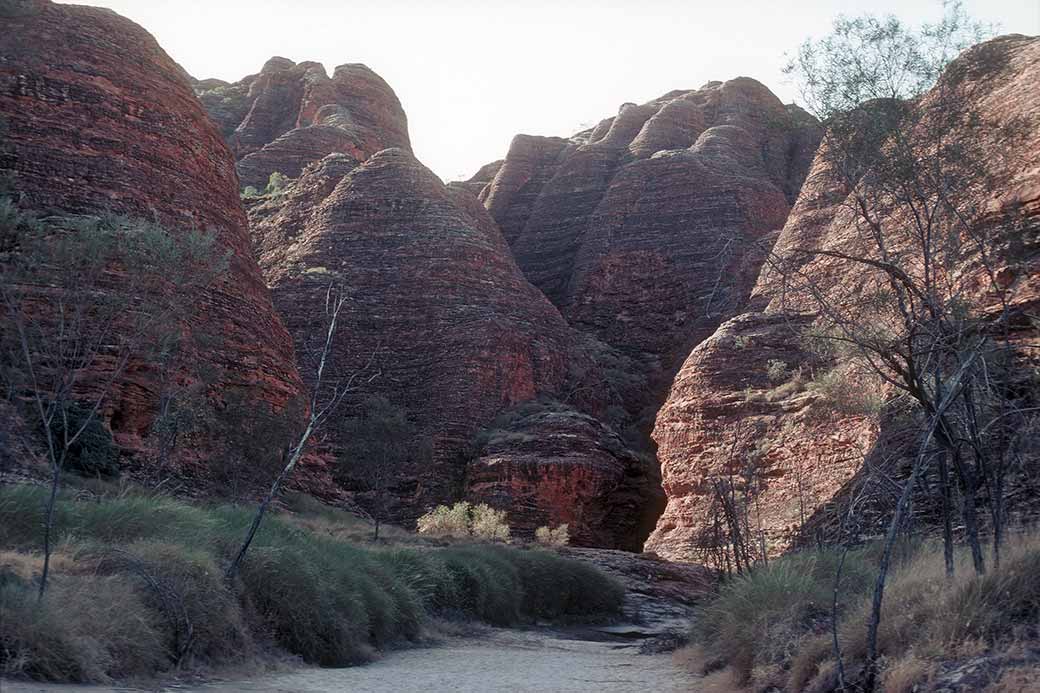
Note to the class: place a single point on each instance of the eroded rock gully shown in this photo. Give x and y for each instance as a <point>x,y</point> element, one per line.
<point>647,231</point>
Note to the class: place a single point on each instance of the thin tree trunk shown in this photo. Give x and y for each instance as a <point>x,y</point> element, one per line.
<point>996,502</point>
<point>258,517</point>
<point>835,644</point>
<point>969,493</point>
<point>947,511</point>
<point>316,418</point>
<point>870,669</point>
<point>48,528</point>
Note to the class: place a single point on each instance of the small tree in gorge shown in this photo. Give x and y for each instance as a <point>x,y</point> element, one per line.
<point>913,171</point>
<point>378,444</point>
<point>327,393</point>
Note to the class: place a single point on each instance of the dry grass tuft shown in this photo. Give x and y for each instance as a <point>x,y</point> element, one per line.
<point>825,681</point>
<point>724,681</point>
<point>777,619</point>
<point>88,629</point>
<point>812,653</point>
<point>904,675</point>
<point>692,658</point>
<point>1017,680</point>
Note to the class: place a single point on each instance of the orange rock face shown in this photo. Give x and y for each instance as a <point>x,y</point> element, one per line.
<point>810,454</point>
<point>97,118</point>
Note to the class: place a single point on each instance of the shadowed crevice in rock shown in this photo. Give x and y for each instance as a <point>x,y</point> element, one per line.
<point>648,230</point>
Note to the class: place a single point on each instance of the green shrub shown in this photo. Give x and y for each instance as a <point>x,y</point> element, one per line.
<point>276,183</point>
<point>94,453</point>
<point>286,590</point>
<point>426,574</point>
<point>555,587</point>
<point>201,616</point>
<point>487,586</point>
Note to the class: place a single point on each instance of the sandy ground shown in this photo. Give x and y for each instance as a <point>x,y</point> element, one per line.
<point>512,661</point>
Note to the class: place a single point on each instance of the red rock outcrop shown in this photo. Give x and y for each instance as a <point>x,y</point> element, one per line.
<point>291,115</point>
<point>440,319</point>
<point>97,118</point>
<point>684,170</point>
<point>808,451</point>
<point>552,465</point>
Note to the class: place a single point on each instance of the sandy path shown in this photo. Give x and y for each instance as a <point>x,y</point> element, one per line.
<point>500,661</point>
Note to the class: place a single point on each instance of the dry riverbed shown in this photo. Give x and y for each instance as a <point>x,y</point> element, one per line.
<point>499,660</point>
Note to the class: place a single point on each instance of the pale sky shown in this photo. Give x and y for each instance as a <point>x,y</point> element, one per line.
<point>471,74</point>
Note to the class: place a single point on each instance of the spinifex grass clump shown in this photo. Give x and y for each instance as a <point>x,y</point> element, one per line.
<point>774,625</point>
<point>139,587</point>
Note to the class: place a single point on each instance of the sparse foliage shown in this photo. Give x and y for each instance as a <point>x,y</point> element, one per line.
<point>379,444</point>
<point>276,183</point>
<point>463,519</point>
<point>777,371</point>
<point>252,436</point>
<point>916,162</point>
<point>82,298</point>
<point>553,536</point>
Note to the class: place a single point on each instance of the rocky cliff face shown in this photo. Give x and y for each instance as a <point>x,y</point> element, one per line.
<point>637,228</point>
<point>724,400</point>
<point>440,319</point>
<point>645,230</point>
<point>479,180</point>
<point>290,115</point>
<point>96,118</point>
<point>550,464</point>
